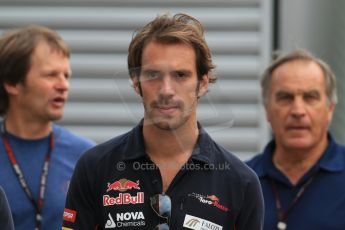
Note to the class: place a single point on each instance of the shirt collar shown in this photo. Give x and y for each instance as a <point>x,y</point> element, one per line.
<point>263,168</point>
<point>332,159</point>
<point>135,147</point>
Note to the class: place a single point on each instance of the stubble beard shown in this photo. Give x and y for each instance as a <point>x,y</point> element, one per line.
<point>161,121</point>
<point>167,122</point>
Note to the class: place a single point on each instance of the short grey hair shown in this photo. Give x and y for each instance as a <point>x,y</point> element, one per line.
<point>303,55</point>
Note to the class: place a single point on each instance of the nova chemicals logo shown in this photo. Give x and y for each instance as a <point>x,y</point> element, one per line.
<point>110,222</point>
<point>126,219</point>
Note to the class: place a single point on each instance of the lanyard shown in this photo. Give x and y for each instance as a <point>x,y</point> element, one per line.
<point>39,205</point>
<point>282,215</point>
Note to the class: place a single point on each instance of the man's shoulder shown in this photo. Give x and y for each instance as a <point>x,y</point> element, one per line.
<point>337,155</point>
<point>340,148</point>
<point>113,148</point>
<point>238,173</point>
<point>255,161</point>
<point>237,166</point>
<point>66,136</point>
<point>218,154</point>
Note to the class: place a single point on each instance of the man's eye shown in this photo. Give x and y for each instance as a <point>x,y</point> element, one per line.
<point>284,98</point>
<point>311,96</point>
<point>180,75</point>
<point>152,74</point>
<point>51,74</point>
<point>67,76</point>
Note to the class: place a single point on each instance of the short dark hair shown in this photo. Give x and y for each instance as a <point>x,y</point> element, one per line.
<point>16,49</point>
<point>303,55</point>
<point>167,29</point>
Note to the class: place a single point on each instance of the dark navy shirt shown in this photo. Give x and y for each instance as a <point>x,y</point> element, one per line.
<point>321,206</point>
<point>113,182</point>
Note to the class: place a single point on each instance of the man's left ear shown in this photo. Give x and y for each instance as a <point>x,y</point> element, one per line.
<point>203,85</point>
<point>331,111</point>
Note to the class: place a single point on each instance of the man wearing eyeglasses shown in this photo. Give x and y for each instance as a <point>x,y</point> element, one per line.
<point>160,175</point>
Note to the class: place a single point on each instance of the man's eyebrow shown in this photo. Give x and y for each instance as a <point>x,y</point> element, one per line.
<point>313,91</point>
<point>282,93</point>
<point>186,71</point>
<point>150,70</point>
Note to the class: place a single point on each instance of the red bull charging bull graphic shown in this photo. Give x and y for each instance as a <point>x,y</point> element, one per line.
<point>123,185</point>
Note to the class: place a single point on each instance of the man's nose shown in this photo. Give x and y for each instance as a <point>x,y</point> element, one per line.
<point>167,86</point>
<point>298,107</point>
<point>62,83</point>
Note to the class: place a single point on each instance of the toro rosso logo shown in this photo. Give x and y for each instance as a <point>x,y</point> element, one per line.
<point>123,185</point>
<point>210,200</point>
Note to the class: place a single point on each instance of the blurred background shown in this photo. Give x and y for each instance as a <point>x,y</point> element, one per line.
<point>241,33</point>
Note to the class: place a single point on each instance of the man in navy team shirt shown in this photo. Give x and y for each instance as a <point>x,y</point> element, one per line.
<point>158,175</point>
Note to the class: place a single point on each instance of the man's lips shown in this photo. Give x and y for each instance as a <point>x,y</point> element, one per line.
<point>167,109</point>
<point>297,127</point>
<point>58,101</point>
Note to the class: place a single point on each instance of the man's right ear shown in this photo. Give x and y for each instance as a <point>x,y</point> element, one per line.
<point>136,84</point>
<point>11,89</point>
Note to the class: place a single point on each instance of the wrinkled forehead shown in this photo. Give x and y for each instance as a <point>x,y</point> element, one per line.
<point>298,74</point>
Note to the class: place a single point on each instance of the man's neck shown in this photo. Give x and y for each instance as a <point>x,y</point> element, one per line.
<point>170,144</point>
<point>295,164</point>
<point>170,149</point>
<point>27,129</point>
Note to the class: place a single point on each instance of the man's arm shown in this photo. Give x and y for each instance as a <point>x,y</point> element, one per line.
<point>252,212</point>
<point>80,209</point>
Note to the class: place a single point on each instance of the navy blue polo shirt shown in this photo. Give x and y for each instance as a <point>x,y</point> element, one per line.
<point>322,205</point>
<point>112,185</point>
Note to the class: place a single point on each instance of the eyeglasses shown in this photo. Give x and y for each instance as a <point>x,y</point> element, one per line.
<point>161,204</point>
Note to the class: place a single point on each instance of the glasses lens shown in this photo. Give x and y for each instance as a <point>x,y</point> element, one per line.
<point>161,204</point>
<point>162,227</point>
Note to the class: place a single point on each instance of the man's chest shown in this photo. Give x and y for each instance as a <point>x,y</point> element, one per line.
<point>196,203</point>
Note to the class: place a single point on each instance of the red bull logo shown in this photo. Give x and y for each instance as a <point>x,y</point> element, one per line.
<point>123,185</point>
<point>123,198</point>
